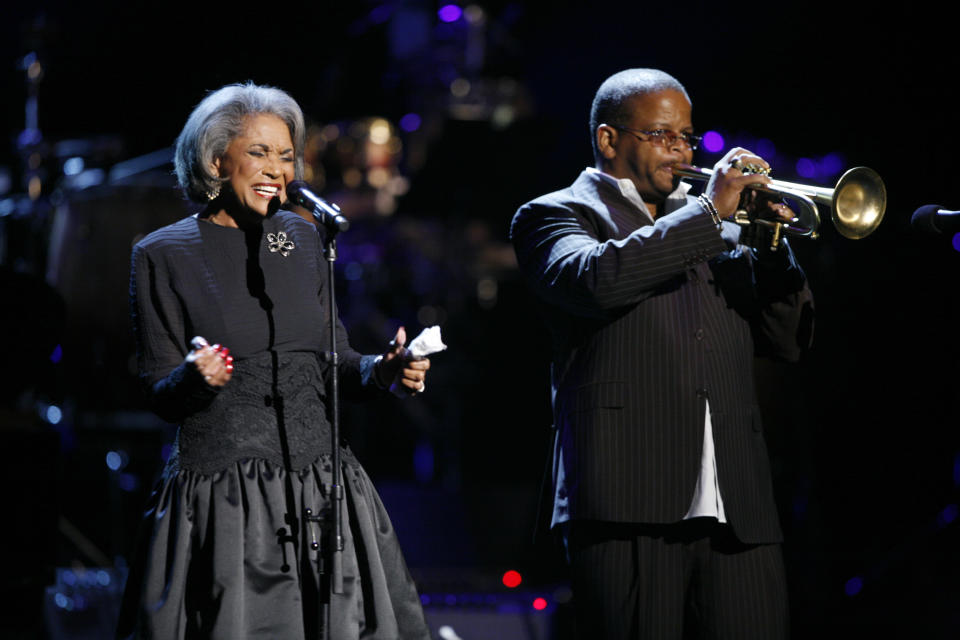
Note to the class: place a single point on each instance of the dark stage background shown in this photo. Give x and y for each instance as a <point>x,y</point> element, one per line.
<point>431,134</point>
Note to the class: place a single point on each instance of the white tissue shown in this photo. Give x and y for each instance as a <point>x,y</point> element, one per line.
<point>428,342</point>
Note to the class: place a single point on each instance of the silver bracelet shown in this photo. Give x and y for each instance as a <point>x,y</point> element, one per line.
<point>707,205</point>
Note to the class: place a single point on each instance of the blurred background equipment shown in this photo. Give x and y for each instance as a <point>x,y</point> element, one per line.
<point>430,124</point>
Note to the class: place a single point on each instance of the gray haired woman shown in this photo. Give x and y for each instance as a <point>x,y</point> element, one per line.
<point>229,312</point>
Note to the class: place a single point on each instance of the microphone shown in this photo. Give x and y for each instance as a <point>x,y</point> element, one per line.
<point>298,192</point>
<point>932,219</point>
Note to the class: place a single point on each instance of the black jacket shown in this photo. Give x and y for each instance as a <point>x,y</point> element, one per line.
<point>648,320</point>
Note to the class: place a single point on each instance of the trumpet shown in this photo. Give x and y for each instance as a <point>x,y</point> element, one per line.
<point>857,204</point>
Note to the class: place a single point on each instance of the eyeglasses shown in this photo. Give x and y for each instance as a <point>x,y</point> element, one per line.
<point>664,137</point>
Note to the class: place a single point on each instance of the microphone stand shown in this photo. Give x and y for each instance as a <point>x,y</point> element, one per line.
<point>328,230</point>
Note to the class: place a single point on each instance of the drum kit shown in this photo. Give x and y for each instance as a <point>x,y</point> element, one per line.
<point>64,258</point>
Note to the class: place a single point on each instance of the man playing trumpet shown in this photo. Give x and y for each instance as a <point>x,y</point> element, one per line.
<point>662,486</point>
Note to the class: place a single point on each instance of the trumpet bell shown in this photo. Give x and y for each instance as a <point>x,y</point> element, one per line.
<point>858,203</point>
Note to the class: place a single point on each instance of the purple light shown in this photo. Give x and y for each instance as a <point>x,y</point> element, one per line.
<point>353,271</point>
<point>853,586</point>
<point>712,141</point>
<point>380,14</point>
<point>53,414</point>
<point>128,482</point>
<point>948,515</point>
<point>410,122</point>
<point>831,164</point>
<point>766,149</point>
<point>956,245</point>
<point>57,355</point>
<point>423,462</point>
<point>114,461</point>
<point>450,13</point>
<point>806,168</point>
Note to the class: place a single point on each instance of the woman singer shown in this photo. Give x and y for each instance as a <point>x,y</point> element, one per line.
<point>231,321</point>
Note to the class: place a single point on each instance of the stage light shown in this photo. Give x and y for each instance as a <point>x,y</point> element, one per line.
<point>353,271</point>
<point>460,87</point>
<point>128,482</point>
<point>73,166</point>
<point>512,579</point>
<point>713,142</point>
<point>853,586</point>
<point>53,414</point>
<point>56,355</point>
<point>410,122</point>
<point>832,164</point>
<point>450,13</point>
<point>539,604</point>
<point>766,150</point>
<point>424,461</point>
<point>446,632</point>
<point>806,168</point>
<point>956,241</point>
<point>114,461</point>
<point>947,515</point>
<point>379,131</point>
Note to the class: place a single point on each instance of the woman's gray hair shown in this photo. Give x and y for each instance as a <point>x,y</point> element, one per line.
<point>221,117</point>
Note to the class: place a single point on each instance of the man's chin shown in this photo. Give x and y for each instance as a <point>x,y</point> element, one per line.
<point>666,187</point>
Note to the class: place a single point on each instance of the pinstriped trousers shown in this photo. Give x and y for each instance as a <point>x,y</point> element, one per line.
<point>691,579</point>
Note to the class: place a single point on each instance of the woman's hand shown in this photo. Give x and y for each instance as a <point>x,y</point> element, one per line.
<point>399,371</point>
<point>213,362</point>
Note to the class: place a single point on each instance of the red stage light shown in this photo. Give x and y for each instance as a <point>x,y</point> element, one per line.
<point>512,579</point>
<point>539,604</point>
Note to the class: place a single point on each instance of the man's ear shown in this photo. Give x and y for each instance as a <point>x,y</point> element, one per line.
<point>214,167</point>
<point>606,141</point>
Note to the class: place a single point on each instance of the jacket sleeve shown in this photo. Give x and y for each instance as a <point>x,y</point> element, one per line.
<point>784,327</point>
<point>355,371</point>
<point>174,388</point>
<point>568,256</point>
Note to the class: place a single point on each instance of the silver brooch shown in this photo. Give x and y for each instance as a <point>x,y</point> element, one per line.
<point>278,242</point>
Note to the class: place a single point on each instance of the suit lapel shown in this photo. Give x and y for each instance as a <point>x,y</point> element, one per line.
<point>619,215</point>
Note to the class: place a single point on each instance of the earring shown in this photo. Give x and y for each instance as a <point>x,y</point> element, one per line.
<point>214,192</point>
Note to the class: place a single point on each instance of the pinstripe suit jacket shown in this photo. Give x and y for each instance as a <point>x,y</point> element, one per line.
<point>648,321</point>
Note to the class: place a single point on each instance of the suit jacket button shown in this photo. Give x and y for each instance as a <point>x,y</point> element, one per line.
<point>699,334</point>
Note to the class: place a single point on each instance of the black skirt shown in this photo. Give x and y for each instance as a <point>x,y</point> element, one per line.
<point>227,555</point>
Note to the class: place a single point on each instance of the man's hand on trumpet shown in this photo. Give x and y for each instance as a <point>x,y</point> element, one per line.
<point>728,187</point>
